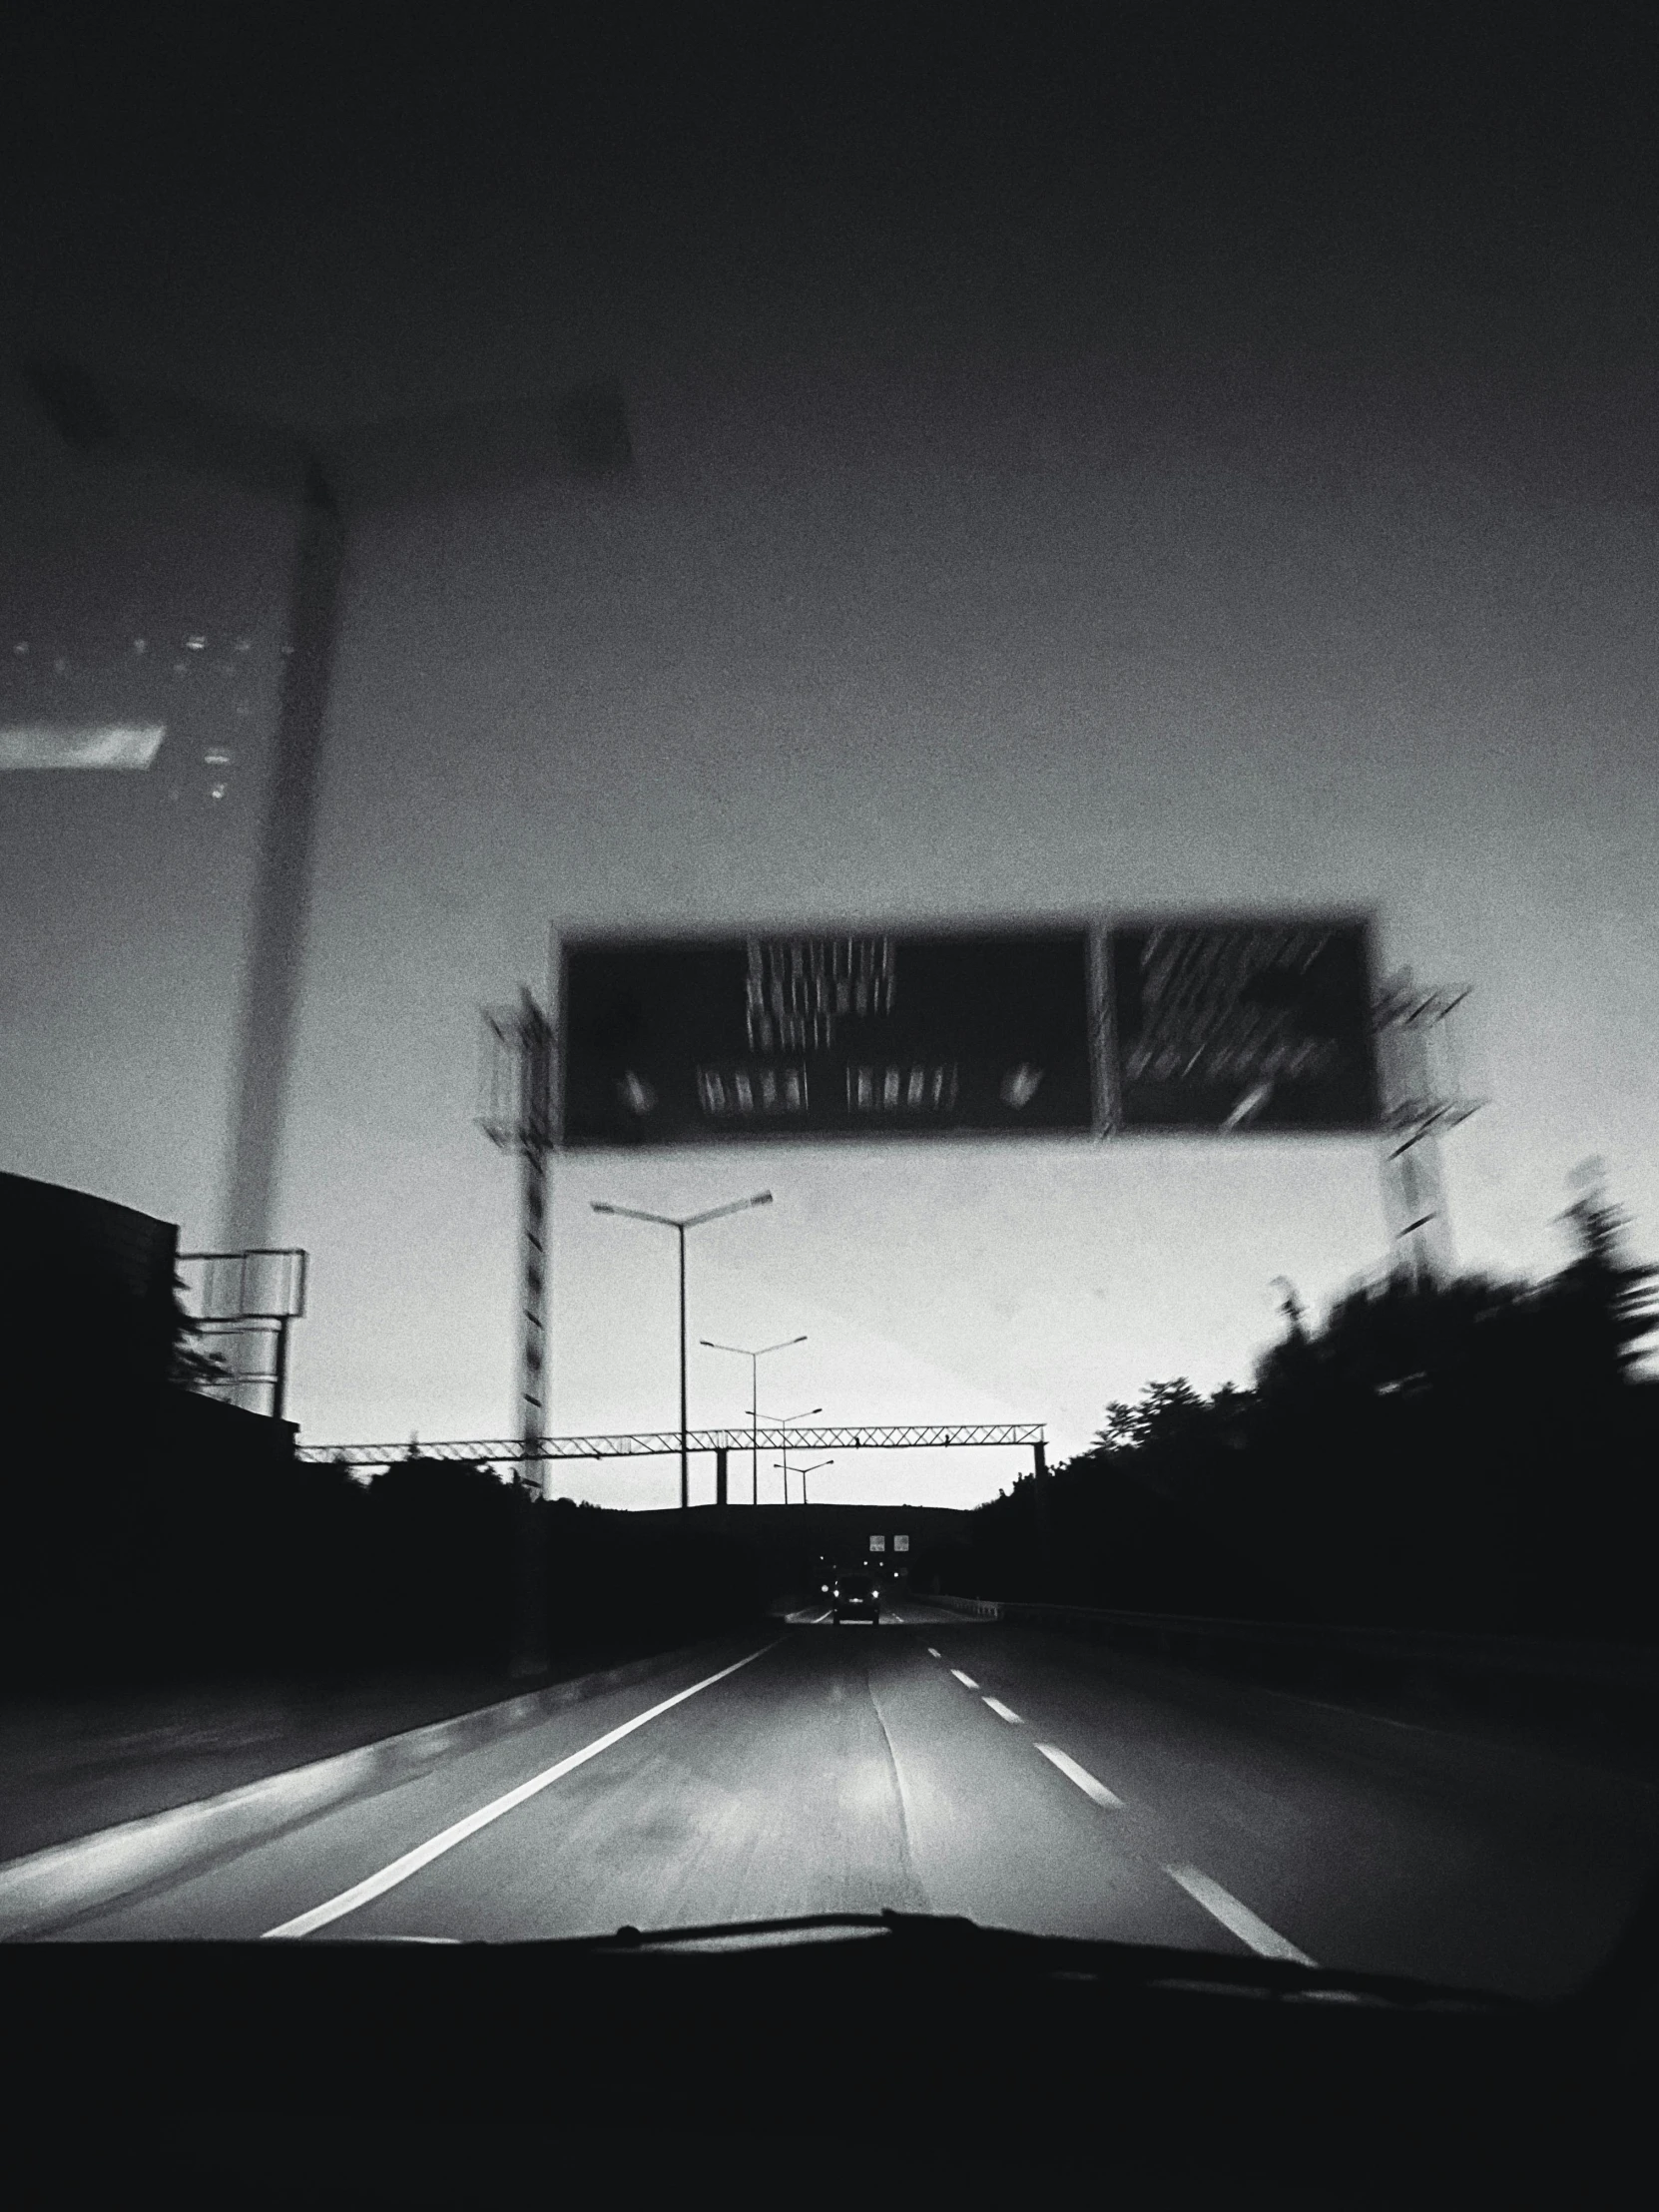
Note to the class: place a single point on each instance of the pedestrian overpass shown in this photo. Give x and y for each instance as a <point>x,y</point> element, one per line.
<point>519,1451</point>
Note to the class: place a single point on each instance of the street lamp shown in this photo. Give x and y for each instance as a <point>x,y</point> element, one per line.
<point>754,1359</point>
<point>786,1422</point>
<point>680,1223</point>
<point>816,1467</point>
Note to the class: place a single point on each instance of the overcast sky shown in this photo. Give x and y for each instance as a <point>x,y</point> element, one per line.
<point>1116,469</point>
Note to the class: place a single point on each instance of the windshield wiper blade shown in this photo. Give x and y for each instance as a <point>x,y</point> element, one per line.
<point>634,1939</point>
<point>1097,1959</point>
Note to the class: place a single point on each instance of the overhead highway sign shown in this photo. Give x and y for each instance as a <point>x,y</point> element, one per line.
<point>1263,1024</point>
<point>826,1033</point>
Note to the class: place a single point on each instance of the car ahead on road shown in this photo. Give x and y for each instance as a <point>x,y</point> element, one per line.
<point>854,1594</point>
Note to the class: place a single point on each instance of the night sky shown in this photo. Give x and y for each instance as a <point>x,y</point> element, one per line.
<point>1113,463</point>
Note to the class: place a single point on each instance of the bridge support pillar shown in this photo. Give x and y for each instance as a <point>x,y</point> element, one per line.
<point>1045,1536</point>
<point>529,1588</point>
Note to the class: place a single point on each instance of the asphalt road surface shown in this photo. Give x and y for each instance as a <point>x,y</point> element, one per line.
<point>933,1763</point>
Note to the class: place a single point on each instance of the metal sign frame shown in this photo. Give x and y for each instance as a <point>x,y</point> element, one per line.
<point>661,1443</point>
<point>249,1322</point>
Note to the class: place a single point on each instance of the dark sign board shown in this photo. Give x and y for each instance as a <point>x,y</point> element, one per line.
<point>1243,1025</point>
<point>826,1033</point>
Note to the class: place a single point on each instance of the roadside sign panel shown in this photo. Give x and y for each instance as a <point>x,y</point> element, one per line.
<point>826,1033</point>
<point>1260,1025</point>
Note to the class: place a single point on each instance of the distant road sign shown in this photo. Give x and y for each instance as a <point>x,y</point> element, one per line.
<point>826,1033</point>
<point>1227,1026</point>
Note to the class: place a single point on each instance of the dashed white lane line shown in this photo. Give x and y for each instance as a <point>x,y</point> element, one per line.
<point>931,1652</point>
<point>1001,1711</point>
<point>1236,1919</point>
<point>967,1680</point>
<point>1080,1774</point>
<point>363,1893</point>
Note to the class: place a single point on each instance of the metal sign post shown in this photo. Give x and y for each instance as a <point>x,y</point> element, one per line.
<point>518,1119</point>
<point>1423,1097</point>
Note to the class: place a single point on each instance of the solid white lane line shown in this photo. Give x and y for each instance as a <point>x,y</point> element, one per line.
<point>1238,1919</point>
<point>932,1653</point>
<point>967,1680</point>
<point>363,1893</point>
<point>1080,1774</point>
<point>1001,1711</point>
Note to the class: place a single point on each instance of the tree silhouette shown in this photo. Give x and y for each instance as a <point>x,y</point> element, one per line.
<point>1474,1454</point>
<point>1167,1411</point>
<point>190,1366</point>
<point>1608,1297</point>
<point>1123,1427</point>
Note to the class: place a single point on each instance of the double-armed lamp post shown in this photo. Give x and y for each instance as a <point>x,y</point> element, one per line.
<point>754,1359</point>
<point>785,1424</point>
<point>817,1467</point>
<point>680,1224</point>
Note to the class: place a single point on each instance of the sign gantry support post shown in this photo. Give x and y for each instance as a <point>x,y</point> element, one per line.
<point>537,1142</point>
<point>518,1118</point>
<point>1423,1097</point>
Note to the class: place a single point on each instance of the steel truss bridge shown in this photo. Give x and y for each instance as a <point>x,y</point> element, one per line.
<point>663,1442</point>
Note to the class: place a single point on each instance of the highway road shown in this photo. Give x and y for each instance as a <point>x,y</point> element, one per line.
<point>934,1763</point>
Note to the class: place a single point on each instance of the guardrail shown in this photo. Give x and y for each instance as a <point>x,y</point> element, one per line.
<point>1609,1684</point>
<point>983,1608</point>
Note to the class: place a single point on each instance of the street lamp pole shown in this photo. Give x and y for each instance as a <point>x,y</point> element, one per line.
<point>785,1424</point>
<point>817,1467</point>
<point>680,1223</point>
<point>754,1359</point>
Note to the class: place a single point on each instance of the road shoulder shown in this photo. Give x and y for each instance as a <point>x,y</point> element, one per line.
<point>42,1889</point>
